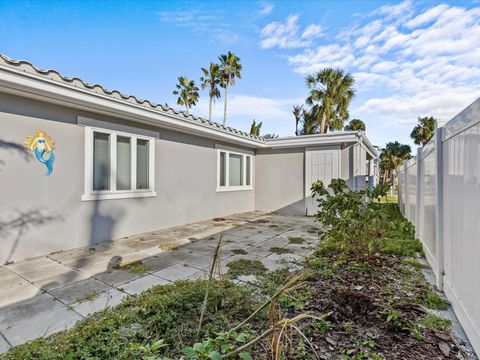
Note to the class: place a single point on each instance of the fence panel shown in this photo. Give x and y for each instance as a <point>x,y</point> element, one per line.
<point>461,178</point>
<point>444,205</point>
<point>426,231</point>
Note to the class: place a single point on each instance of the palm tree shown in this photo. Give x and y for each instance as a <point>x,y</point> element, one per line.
<point>255,128</point>
<point>392,156</point>
<point>424,130</point>
<point>187,92</point>
<point>309,124</point>
<point>355,125</point>
<point>331,91</point>
<point>230,68</point>
<point>297,112</point>
<point>212,80</point>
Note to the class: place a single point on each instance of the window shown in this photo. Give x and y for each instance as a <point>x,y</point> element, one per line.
<point>234,171</point>
<point>118,165</point>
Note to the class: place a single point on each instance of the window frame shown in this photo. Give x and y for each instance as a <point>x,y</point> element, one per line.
<point>244,155</point>
<point>113,193</point>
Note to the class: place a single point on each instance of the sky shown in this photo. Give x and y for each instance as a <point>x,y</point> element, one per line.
<point>408,58</point>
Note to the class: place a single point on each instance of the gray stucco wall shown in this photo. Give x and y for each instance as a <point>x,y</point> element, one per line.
<point>279,180</point>
<point>40,214</point>
<point>347,164</point>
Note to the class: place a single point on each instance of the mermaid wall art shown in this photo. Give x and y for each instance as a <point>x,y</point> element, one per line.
<point>43,146</point>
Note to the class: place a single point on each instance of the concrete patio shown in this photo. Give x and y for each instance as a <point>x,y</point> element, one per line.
<point>44,295</point>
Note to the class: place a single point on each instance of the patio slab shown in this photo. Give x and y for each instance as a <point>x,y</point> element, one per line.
<point>100,301</point>
<point>41,296</point>
<point>72,293</point>
<point>176,272</point>
<point>135,287</point>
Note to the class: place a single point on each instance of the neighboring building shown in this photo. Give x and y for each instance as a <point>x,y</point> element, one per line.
<point>120,166</point>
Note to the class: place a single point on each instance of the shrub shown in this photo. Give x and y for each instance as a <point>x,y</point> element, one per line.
<point>358,225</point>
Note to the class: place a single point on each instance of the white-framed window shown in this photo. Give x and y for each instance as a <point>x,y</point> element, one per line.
<point>118,164</point>
<point>234,170</point>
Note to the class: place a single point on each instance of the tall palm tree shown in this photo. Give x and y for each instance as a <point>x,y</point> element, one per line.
<point>392,156</point>
<point>231,70</point>
<point>255,128</point>
<point>187,92</point>
<point>331,91</point>
<point>212,79</point>
<point>297,112</point>
<point>424,130</point>
<point>355,125</point>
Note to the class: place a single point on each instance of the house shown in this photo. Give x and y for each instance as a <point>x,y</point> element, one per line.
<point>80,165</point>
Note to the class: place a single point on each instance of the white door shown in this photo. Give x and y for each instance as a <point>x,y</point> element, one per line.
<point>321,165</point>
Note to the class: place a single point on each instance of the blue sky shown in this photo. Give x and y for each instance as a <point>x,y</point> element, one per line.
<point>409,59</point>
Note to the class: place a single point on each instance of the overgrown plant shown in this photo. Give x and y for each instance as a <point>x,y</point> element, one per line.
<point>352,218</point>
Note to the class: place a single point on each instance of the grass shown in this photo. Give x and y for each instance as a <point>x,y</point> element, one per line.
<point>279,250</point>
<point>88,297</point>
<point>137,267</point>
<point>245,267</point>
<point>296,240</point>
<point>239,252</point>
<point>434,322</point>
<point>435,302</point>
<point>169,312</point>
<point>389,199</point>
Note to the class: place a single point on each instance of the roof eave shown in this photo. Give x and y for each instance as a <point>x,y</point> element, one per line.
<point>29,85</point>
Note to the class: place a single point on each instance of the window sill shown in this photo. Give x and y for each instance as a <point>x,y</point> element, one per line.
<point>234,188</point>
<point>118,195</point>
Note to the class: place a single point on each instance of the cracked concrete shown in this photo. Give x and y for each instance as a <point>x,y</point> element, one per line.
<point>41,296</point>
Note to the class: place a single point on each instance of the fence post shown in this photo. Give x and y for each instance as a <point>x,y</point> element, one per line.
<point>418,190</point>
<point>439,205</point>
<point>406,193</point>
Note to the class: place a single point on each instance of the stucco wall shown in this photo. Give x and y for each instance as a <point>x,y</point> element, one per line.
<point>40,214</point>
<point>279,180</point>
<point>347,164</point>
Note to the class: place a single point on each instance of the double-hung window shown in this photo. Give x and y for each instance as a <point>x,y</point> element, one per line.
<point>118,164</point>
<point>234,170</point>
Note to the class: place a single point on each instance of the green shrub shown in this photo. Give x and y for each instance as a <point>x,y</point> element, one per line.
<point>359,226</point>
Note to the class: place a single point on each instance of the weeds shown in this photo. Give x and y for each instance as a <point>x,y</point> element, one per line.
<point>433,301</point>
<point>434,322</point>
<point>243,267</point>
<point>296,240</point>
<point>137,267</point>
<point>279,250</point>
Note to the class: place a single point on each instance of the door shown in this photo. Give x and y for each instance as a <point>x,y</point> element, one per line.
<point>321,165</point>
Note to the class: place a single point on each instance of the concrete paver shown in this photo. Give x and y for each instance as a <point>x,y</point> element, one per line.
<point>105,299</point>
<point>45,323</point>
<point>135,287</point>
<point>176,272</point>
<point>4,346</point>
<point>78,291</point>
<point>14,288</point>
<point>41,296</point>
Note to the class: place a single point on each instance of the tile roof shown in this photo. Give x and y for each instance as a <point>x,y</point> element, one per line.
<point>26,66</point>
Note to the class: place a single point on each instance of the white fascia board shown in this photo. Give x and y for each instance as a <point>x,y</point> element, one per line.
<point>368,145</point>
<point>312,140</point>
<point>26,84</point>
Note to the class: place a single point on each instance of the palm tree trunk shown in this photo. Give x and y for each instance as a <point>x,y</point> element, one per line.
<point>323,125</point>
<point>210,109</point>
<point>225,106</point>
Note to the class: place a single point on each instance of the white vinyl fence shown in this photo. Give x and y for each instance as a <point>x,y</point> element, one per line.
<point>439,192</point>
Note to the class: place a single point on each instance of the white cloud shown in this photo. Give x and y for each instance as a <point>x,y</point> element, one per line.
<point>266,9</point>
<point>288,34</point>
<point>407,61</point>
<point>312,31</point>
